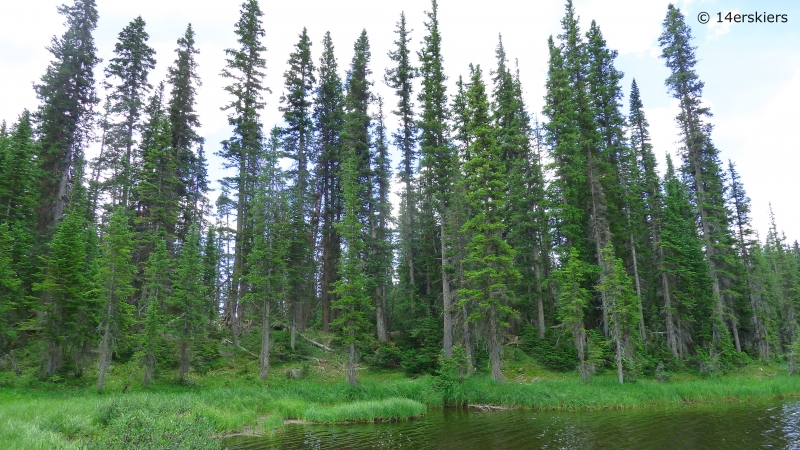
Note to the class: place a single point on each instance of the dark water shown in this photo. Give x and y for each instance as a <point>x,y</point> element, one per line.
<point>720,426</point>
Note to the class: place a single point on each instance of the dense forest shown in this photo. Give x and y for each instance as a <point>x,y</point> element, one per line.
<point>559,236</point>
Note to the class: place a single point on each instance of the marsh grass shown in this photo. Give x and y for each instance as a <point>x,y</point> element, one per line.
<point>37,415</point>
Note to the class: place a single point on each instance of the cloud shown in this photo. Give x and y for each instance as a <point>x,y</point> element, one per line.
<point>717,28</point>
<point>765,145</point>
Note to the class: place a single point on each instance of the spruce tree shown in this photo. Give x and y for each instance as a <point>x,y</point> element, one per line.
<point>437,163</point>
<point>573,299</point>
<point>328,122</point>
<point>69,304</point>
<point>267,262</point>
<point>700,158</point>
<point>245,68</point>
<point>157,289</point>
<point>489,273</point>
<point>740,203</point>
<point>400,78</point>
<point>690,303</point>
<point>352,300</point>
<point>126,75</point>
<point>114,283</point>
<point>380,222</point>
<point>187,300</point>
<point>184,122</point>
<point>298,84</point>
<point>65,116</point>
<point>624,308</point>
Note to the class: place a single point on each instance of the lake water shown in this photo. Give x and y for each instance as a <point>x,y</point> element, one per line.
<point>774,425</point>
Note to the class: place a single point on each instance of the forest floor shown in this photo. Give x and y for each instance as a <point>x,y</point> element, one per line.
<point>231,399</point>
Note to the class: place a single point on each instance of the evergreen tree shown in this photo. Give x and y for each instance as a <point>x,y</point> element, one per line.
<point>328,122</point>
<point>351,289</point>
<point>646,194</point>
<point>267,262</point>
<point>689,303</point>
<point>245,68</point>
<point>380,221</point>
<point>184,122</point>
<point>740,202</point>
<point>9,287</point>
<point>573,299</point>
<point>114,282</point>
<point>187,300</point>
<point>18,200</point>
<point>157,289</point>
<point>489,272</point>
<point>159,185</point>
<point>69,304</point>
<point>130,69</point>
<point>65,116</point>
<point>624,308</point>
<point>700,158</point>
<point>437,164</point>
<point>400,78</point>
<point>298,82</point>
<point>211,258</point>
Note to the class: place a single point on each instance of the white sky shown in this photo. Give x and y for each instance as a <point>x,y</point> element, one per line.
<point>751,71</point>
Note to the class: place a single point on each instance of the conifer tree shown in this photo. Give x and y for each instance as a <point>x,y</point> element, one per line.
<point>187,300</point>
<point>400,78</point>
<point>437,162</point>
<point>690,303</point>
<point>126,75</point>
<point>380,222</point>
<point>573,299</point>
<point>114,282</point>
<point>624,308</point>
<point>700,157</point>
<point>267,262</point>
<point>489,270</point>
<point>9,287</point>
<point>740,202</point>
<point>211,258</point>
<point>647,195</point>
<point>184,122</point>
<point>67,95</point>
<point>299,82</point>
<point>245,68</point>
<point>19,197</point>
<point>351,289</point>
<point>69,304</point>
<point>159,185</point>
<point>157,289</point>
<point>328,122</point>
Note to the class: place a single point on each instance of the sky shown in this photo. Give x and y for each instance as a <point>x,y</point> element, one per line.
<point>751,71</point>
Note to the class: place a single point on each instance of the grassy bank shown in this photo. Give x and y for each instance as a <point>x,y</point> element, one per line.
<point>44,415</point>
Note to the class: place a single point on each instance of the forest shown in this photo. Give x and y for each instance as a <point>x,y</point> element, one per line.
<point>559,237</point>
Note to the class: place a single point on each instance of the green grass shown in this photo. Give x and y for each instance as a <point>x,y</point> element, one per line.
<point>70,414</point>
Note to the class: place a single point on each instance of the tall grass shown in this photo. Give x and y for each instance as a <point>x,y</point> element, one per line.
<point>171,416</point>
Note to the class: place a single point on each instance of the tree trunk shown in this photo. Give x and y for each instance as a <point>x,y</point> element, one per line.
<point>618,346</point>
<point>352,377</point>
<point>265,339</point>
<point>446,297</point>
<point>380,314</point>
<point>494,346</point>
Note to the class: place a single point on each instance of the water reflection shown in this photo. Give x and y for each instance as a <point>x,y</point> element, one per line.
<point>723,426</point>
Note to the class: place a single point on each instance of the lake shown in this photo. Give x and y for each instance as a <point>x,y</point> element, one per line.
<point>774,424</point>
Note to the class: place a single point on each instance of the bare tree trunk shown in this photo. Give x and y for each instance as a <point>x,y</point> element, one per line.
<point>494,346</point>
<point>618,345</point>
<point>672,341</point>
<point>352,377</point>
<point>446,297</point>
<point>637,283</point>
<point>380,314</point>
<point>104,355</point>
<point>265,339</point>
